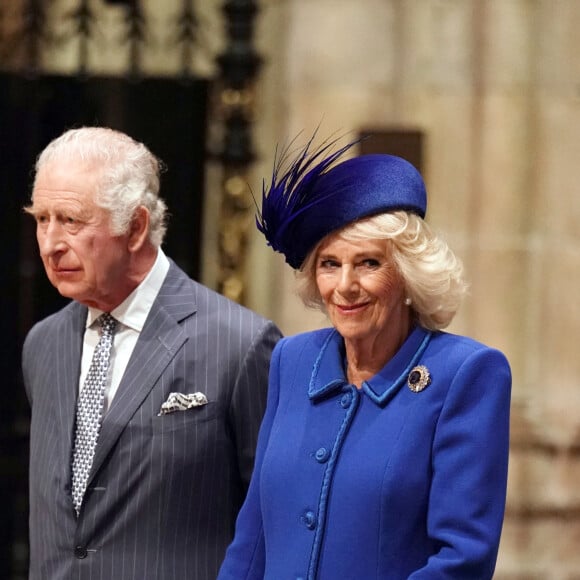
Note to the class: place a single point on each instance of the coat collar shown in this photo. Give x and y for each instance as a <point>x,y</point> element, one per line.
<point>329,374</point>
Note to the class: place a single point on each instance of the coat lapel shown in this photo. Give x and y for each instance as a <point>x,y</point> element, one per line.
<point>160,340</point>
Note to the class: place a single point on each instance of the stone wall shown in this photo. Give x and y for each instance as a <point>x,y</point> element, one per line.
<point>495,87</point>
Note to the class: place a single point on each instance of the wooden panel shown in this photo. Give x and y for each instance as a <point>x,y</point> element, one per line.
<point>405,143</point>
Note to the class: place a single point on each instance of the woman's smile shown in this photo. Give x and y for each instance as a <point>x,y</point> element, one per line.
<point>362,291</point>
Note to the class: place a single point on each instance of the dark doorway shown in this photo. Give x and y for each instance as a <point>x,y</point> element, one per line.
<point>169,116</point>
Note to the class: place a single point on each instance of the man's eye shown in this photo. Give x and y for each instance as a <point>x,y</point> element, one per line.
<point>70,221</point>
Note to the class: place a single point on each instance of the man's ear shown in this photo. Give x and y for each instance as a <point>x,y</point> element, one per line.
<point>139,229</point>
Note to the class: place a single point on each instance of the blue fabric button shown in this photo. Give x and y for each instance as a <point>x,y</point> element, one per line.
<point>322,455</point>
<point>346,400</point>
<point>309,520</point>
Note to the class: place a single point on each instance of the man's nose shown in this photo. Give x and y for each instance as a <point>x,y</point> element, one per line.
<point>50,238</point>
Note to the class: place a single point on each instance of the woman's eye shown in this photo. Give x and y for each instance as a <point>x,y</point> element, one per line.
<point>371,263</point>
<point>328,264</point>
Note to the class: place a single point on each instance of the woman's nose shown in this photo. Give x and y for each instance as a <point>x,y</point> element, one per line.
<point>348,280</point>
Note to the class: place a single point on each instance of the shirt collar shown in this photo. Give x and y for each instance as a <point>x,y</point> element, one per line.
<point>133,311</point>
<point>329,374</point>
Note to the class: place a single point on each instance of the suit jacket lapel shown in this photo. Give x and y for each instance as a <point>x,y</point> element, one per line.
<point>159,341</point>
<point>68,367</point>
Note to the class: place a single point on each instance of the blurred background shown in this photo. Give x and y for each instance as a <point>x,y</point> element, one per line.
<point>483,96</point>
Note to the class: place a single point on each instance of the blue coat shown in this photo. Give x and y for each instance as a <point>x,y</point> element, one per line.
<point>381,482</point>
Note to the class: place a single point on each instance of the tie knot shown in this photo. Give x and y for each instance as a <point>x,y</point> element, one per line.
<point>107,323</point>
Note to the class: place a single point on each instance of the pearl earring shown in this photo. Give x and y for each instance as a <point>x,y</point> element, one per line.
<point>408,301</point>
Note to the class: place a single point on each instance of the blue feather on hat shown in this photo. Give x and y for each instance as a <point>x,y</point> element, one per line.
<point>313,197</point>
<point>294,192</point>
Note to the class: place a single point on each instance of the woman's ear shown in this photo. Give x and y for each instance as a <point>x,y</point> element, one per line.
<point>139,229</point>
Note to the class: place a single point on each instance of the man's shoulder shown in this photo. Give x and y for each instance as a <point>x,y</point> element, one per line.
<point>72,311</point>
<point>219,305</point>
<point>220,311</point>
<point>60,323</point>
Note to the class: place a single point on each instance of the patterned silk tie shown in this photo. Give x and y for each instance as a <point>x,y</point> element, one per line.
<point>90,410</point>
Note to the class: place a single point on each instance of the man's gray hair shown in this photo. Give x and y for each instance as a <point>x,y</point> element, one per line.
<point>128,174</point>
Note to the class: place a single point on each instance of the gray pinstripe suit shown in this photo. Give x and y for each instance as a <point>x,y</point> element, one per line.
<point>164,490</point>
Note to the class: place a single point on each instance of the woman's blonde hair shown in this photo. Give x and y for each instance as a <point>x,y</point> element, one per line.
<point>432,274</point>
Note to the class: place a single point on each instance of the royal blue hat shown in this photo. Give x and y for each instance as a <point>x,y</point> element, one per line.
<point>314,198</point>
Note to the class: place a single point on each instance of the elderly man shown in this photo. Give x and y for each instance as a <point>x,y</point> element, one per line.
<point>146,391</point>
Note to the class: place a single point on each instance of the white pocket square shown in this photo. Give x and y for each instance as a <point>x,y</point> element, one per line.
<point>182,402</point>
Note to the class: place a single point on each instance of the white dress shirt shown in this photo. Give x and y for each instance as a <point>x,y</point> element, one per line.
<point>131,315</point>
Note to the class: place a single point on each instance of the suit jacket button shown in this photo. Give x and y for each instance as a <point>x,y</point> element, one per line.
<point>80,552</point>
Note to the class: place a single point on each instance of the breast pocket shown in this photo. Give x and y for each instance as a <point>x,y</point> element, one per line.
<point>184,419</point>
